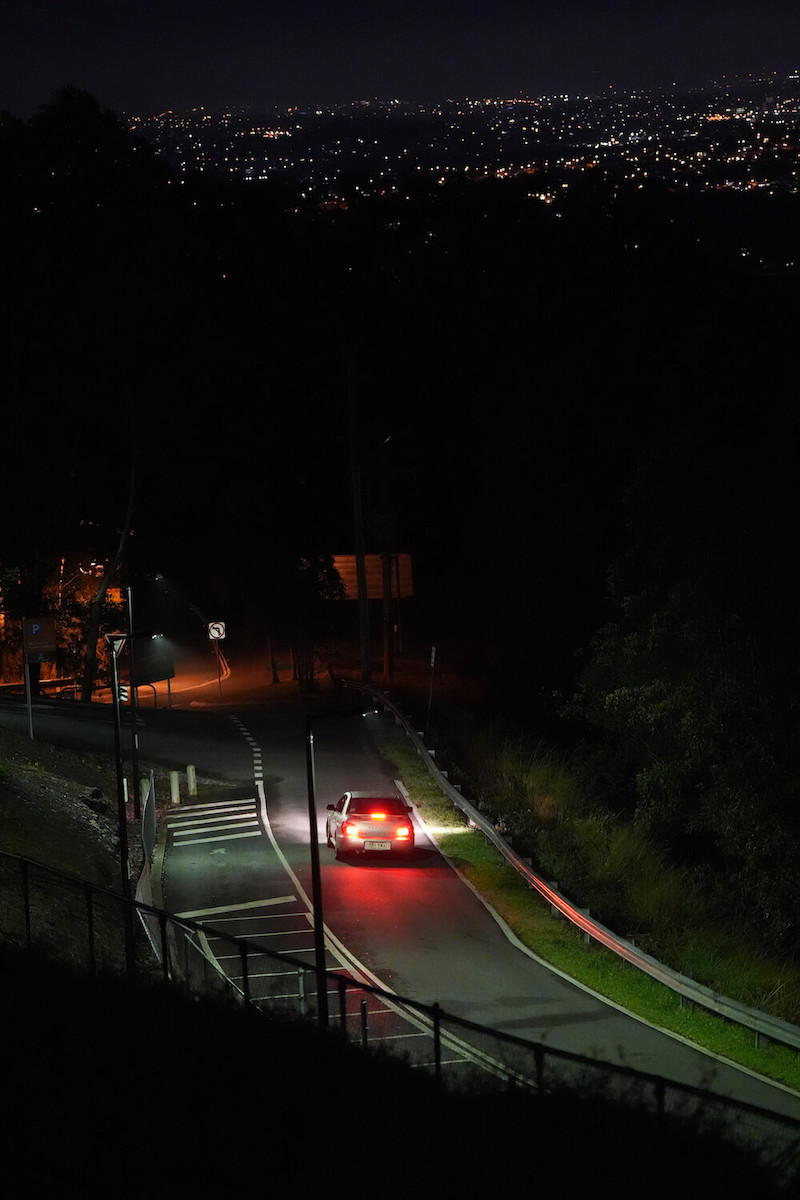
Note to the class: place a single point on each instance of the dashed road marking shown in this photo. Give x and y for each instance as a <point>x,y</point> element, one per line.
<point>258,771</point>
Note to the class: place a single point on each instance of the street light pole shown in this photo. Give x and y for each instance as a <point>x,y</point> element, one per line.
<point>358,533</point>
<point>316,884</point>
<point>316,874</point>
<point>134,702</point>
<point>115,645</point>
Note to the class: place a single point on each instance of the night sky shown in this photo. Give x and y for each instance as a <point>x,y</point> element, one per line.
<point>148,55</point>
<point>511,371</point>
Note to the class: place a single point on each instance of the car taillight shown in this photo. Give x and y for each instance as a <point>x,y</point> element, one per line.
<point>403,831</point>
<point>350,829</point>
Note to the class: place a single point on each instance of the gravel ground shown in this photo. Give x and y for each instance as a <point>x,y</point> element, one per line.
<point>59,809</point>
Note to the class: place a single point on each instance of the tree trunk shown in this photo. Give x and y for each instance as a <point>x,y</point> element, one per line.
<point>275,676</point>
<point>96,611</point>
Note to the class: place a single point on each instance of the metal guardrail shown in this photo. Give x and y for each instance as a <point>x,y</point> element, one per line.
<point>365,1014</point>
<point>762,1024</point>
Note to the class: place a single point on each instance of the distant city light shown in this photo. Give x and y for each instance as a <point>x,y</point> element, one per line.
<point>736,134</point>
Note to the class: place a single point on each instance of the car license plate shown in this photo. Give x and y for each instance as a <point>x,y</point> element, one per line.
<point>372,844</point>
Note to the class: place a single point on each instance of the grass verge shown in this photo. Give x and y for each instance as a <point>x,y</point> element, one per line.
<point>557,942</point>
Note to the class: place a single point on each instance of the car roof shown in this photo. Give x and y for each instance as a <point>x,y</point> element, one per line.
<point>373,797</point>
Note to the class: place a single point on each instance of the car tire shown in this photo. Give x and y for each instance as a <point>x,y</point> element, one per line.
<point>339,854</point>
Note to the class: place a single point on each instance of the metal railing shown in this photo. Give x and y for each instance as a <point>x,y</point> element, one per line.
<point>83,926</point>
<point>761,1023</point>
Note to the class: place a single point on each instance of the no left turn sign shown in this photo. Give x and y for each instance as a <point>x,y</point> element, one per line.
<point>216,631</point>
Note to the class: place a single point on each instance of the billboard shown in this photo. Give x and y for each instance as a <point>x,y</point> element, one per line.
<point>402,582</point>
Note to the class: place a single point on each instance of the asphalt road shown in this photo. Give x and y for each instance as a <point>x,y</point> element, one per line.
<point>239,860</point>
<point>421,930</point>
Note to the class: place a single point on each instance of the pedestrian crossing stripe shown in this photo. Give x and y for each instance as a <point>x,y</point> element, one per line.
<point>233,908</point>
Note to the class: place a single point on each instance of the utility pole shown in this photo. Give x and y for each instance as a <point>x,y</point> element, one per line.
<point>316,874</point>
<point>134,702</point>
<point>316,883</point>
<point>358,531</point>
<point>386,565</point>
<point>116,644</point>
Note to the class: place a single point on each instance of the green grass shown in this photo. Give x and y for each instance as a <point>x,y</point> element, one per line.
<point>557,942</point>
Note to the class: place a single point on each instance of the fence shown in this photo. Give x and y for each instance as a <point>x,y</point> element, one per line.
<point>83,926</point>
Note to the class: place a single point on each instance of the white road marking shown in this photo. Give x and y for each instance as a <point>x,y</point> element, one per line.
<point>206,828</point>
<point>209,818</point>
<point>196,810</point>
<point>281,916</point>
<point>230,908</point>
<point>224,837</point>
<point>255,947</point>
<point>349,963</point>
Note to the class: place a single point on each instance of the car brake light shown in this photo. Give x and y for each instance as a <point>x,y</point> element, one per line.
<point>350,829</point>
<point>377,816</point>
<point>403,831</point>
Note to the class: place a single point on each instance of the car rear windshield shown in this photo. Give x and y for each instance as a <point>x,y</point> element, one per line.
<point>393,806</point>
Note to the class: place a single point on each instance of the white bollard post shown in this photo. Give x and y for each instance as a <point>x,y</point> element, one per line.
<point>174,787</point>
<point>191,776</point>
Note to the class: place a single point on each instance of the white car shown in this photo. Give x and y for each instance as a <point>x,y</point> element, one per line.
<point>361,822</point>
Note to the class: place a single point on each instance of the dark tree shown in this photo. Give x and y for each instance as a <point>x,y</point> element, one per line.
<point>694,682</point>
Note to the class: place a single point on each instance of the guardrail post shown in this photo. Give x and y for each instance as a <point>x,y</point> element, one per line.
<point>556,912</point>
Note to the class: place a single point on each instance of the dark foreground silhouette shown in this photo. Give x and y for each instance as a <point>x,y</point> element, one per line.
<point>115,1088</point>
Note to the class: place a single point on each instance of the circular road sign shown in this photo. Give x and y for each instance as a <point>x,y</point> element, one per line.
<point>216,630</point>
